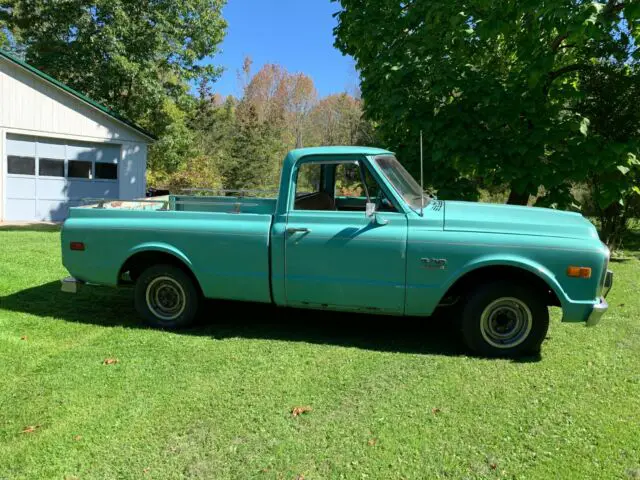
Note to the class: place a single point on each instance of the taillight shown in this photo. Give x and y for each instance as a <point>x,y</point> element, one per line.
<point>77,246</point>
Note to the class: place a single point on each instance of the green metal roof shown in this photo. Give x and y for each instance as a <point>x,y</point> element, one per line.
<point>338,150</point>
<point>76,94</point>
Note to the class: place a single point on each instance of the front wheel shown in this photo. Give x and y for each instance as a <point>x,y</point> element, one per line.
<point>166,297</point>
<point>504,320</point>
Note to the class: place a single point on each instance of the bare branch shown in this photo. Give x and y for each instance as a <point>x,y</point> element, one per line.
<point>557,41</point>
<point>567,69</point>
<point>614,6</point>
<point>562,71</point>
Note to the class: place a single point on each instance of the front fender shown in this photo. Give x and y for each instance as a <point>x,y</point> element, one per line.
<point>501,260</point>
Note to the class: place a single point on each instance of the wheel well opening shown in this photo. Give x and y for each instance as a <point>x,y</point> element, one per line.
<point>138,263</point>
<point>467,282</point>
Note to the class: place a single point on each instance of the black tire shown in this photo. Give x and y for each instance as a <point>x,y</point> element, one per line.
<point>502,319</point>
<point>166,297</point>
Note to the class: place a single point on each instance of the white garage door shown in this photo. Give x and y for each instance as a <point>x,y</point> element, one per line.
<point>46,176</point>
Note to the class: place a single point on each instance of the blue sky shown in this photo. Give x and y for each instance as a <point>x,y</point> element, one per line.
<point>297,34</point>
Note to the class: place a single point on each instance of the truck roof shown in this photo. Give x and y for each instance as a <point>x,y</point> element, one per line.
<point>295,155</point>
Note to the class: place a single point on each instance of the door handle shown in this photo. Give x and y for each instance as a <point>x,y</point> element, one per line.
<point>292,230</point>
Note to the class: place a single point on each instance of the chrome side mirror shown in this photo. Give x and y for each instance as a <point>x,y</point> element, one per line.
<point>370,209</point>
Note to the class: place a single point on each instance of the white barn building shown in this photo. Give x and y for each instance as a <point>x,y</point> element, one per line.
<point>58,147</point>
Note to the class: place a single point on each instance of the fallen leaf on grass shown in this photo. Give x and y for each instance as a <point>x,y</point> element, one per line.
<point>30,428</point>
<point>493,466</point>
<point>299,477</point>
<point>146,470</point>
<point>435,410</point>
<point>110,361</point>
<point>633,473</point>
<point>297,411</point>
<point>24,337</point>
<point>372,442</point>
<point>77,438</point>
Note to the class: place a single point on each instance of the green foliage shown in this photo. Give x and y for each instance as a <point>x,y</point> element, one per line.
<point>202,172</point>
<point>255,153</point>
<point>135,56</point>
<point>496,86</point>
<point>128,54</point>
<point>613,147</point>
<point>175,143</point>
<point>278,111</point>
<point>338,120</point>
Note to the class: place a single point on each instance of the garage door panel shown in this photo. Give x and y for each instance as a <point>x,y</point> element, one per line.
<point>20,209</point>
<point>20,187</point>
<point>107,190</point>
<point>80,151</point>
<point>21,145</point>
<point>52,189</point>
<point>82,189</point>
<point>109,154</point>
<point>51,149</point>
<point>54,210</point>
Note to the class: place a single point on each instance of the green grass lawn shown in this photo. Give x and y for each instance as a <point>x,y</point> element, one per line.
<point>390,398</point>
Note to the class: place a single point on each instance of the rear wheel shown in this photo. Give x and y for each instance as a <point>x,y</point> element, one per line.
<point>166,297</point>
<point>504,319</point>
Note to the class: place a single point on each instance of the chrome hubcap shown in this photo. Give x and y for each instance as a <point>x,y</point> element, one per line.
<point>506,322</point>
<point>166,298</point>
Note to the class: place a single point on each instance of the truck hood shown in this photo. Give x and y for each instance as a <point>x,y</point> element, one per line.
<point>516,220</point>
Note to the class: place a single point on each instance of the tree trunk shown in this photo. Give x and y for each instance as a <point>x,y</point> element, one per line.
<point>516,198</point>
<point>613,225</point>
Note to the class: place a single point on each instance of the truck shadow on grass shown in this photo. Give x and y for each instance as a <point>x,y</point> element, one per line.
<point>220,320</point>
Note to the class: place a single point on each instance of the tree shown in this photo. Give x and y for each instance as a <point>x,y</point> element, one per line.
<point>300,96</point>
<point>267,93</point>
<point>283,99</point>
<point>137,57</point>
<point>612,147</point>
<point>252,163</point>
<point>337,120</point>
<point>493,85</point>
<point>128,54</point>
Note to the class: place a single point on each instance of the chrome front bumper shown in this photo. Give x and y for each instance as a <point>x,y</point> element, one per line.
<point>70,285</point>
<point>597,312</point>
<point>599,309</point>
<point>608,283</point>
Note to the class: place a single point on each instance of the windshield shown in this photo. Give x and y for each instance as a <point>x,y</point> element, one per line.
<point>402,181</point>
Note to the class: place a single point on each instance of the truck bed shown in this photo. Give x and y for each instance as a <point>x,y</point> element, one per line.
<point>224,241</point>
<point>192,203</point>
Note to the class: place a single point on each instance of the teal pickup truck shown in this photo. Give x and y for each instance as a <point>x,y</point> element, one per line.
<point>351,230</point>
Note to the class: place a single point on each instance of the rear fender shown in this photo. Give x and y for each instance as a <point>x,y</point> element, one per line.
<point>158,247</point>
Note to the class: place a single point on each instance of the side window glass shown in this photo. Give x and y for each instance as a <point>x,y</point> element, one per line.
<point>372,186</point>
<point>349,191</point>
<point>309,195</point>
<point>348,182</point>
<point>308,179</point>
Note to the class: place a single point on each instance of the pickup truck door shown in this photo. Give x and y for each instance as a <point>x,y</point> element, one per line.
<point>344,260</point>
